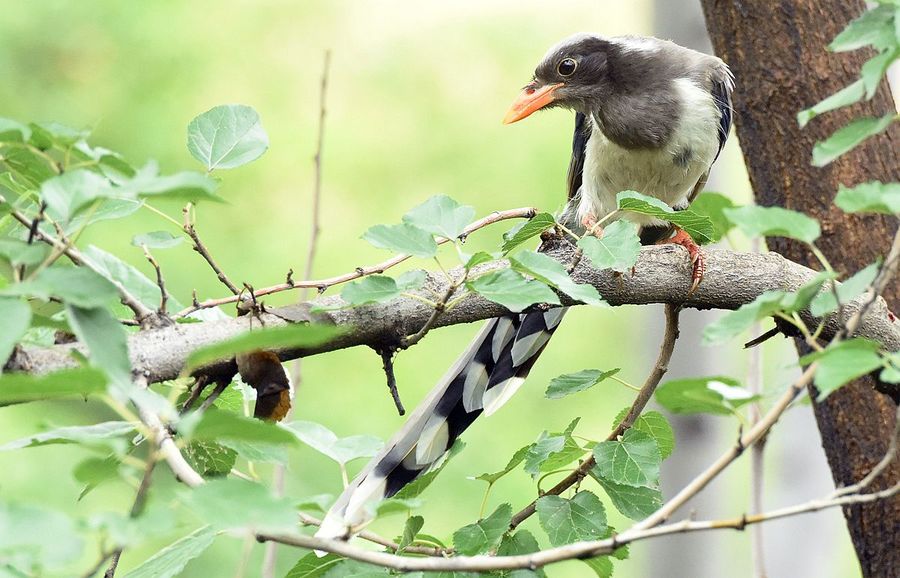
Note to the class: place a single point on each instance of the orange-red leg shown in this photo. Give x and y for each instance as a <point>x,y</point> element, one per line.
<point>589,222</point>
<point>698,262</point>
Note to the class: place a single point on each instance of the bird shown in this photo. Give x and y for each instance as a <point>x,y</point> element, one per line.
<point>650,116</point>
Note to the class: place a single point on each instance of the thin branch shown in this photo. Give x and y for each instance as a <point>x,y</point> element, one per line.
<point>140,500</point>
<point>160,282</point>
<point>141,312</point>
<point>757,452</point>
<point>387,361</point>
<point>323,284</point>
<point>200,248</point>
<point>660,368</point>
<point>308,520</point>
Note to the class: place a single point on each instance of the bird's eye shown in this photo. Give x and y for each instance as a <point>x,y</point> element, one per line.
<point>567,67</point>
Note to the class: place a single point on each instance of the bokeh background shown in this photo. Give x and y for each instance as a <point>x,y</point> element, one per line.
<point>416,94</point>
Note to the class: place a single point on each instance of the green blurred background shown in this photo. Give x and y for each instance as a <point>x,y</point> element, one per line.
<point>416,94</point>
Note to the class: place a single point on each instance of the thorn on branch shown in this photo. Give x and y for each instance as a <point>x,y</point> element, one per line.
<point>387,360</point>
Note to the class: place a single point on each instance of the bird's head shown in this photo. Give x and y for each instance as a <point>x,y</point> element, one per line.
<point>573,74</point>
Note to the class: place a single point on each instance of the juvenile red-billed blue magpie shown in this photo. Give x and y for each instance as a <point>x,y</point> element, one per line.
<point>650,116</point>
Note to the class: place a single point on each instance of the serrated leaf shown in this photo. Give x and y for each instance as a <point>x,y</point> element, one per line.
<point>95,434</point>
<point>570,383</point>
<point>73,191</point>
<point>107,210</point>
<point>699,227</point>
<point>403,238</point>
<point>633,502</point>
<point>712,206</point>
<point>370,289</point>
<point>875,68</point>
<point>484,534</point>
<point>617,249</point>
<point>582,518</point>
<point>715,395</point>
<point>602,566</point>
<point>16,316</point>
<point>825,302</point>
<point>849,137</point>
<point>285,337</point>
<point>514,461</point>
<point>216,425</point>
<point>313,566</point>
<point>20,387</point>
<point>552,451</point>
<point>873,27</point>
<point>515,544</point>
<point>872,197</point>
<point>139,285</point>
<point>209,458</point>
<point>74,285</point>
<point>105,339</point>
<point>756,221</point>
<point>46,134</point>
<point>172,559</point>
<point>844,97</point>
<point>510,289</point>
<point>410,530</point>
<point>156,240</point>
<point>656,426</point>
<point>531,228</point>
<point>441,215</point>
<point>184,186</point>
<point>551,272</point>
<point>214,502</point>
<point>633,460</point>
<point>341,450</point>
<point>227,136</point>
<point>843,362</point>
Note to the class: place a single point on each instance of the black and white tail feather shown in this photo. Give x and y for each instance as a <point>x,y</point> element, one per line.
<point>487,374</point>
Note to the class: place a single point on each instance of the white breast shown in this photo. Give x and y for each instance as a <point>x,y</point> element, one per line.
<point>610,168</point>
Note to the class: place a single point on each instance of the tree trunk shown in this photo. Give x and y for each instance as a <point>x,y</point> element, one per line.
<point>777,50</point>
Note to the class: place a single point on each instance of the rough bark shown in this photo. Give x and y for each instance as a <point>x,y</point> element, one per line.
<point>777,51</point>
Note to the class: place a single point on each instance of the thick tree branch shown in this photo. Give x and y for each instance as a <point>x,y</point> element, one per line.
<point>662,275</point>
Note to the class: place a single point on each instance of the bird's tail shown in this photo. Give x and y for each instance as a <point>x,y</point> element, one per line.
<point>486,375</point>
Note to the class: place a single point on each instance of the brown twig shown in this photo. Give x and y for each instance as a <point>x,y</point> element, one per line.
<point>140,500</point>
<point>643,397</point>
<point>322,284</point>
<point>387,360</point>
<point>200,248</point>
<point>214,394</point>
<point>160,282</point>
<point>200,383</point>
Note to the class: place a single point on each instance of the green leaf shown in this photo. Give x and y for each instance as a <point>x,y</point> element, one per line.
<point>391,506</point>
<point>633,502</point>
<point>574,382</point>
<point>403,238</point>
<point>100,434</point>
<point>185,186</point>
<point>209,458</point>
<point>714,395</point>
<point>699,227</point>
<point>484,534</point>
<point>441,215</point>
<point>139,285</point>
<point>418,485</point>
<point>107,210</point>
<point>227,136</point>
<point>34,538</point>
<point>13,131</point>
<point>46,134</point>
<point>479,258</point>
<point>318,502</point>
<point>411,280</point>
<point>521,542</point>
<point>849,137</point>
<point>756,221</point>
<point>873,27</point>
<point>215,502</point>
<point>602,566</point>
<point>656,426</point>
<point>19,387</point>
<point>370,289</point>
<point>73,191</point>
<point>872,197</point>
<point>355,569</point>
<point>94,471</point>
<point>276,338</point>
<point>891,371</point>
<point>17,252</point>
<point>257,452</point>
<point>341,450</point>
<point>875,68</point>
<point>844,97</point>
<point>617,249</point>
<point>531,228</point>
<point>552,451</point>
<point>106,340</point>
<point>313,566</point>
<point>510,289</point>
<point>551,272</point>
<point>16,316</point>
<point>514,461</point>
<point>28,167</point>
<point>410,530</point>
<point>156,240</point>
<point>842,363</point>
<point>825,302</point>
<point>582,518</point>
<point>172,559</point>
<point>219,425</point>
<point>633,460</point>
<point>74,285</point>
<point>712,206</point>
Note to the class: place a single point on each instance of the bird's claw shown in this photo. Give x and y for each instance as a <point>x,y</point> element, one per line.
<point>591,225</point>
<point>698,261</point>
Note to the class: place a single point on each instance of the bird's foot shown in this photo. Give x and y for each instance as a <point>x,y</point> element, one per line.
<point>592,225</point>
<point>698,261</point>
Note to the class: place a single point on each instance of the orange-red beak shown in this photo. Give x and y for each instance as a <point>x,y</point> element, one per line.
<point>530,100</point>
